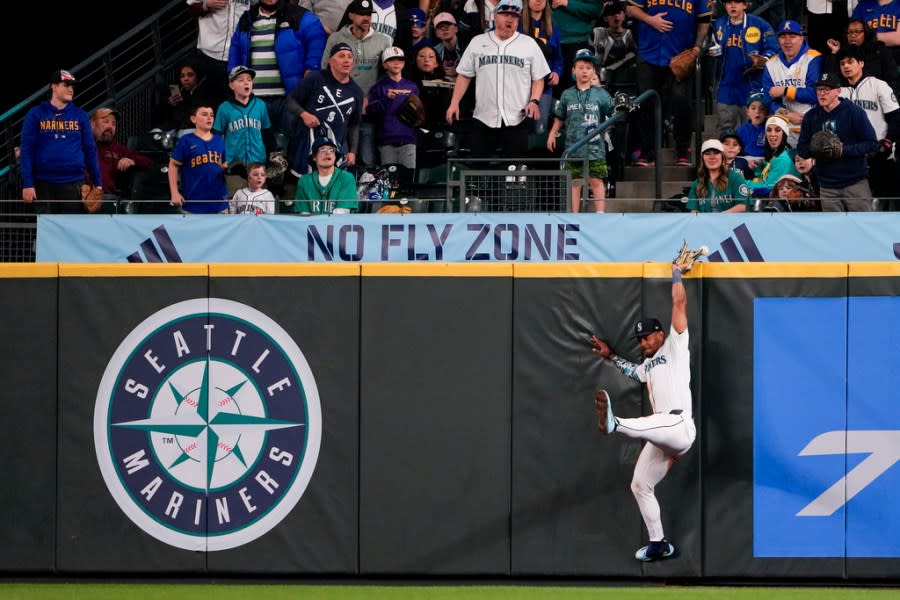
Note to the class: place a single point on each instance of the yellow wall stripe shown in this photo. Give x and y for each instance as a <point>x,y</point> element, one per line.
<point>450,269</point>
<point>437,269</point>
<point>133,270</point>
<point>284,270</point>
<point>573,270</point>
<point>875,269</point>
<point>28,270</point>
<point>762,270</point>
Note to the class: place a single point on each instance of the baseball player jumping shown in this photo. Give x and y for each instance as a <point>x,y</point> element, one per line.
<point>669,432</point>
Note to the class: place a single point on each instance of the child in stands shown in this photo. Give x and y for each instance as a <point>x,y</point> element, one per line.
<point>753,132</point>
<point>583,107</point>
<point>395,140</point>
<point>733,146</point>
<point>199,157</point>
<point>254,199</point>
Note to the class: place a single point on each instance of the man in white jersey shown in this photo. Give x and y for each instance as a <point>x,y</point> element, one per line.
<point>877,99</point>
<point>669,432</point>
<point>510,68</point>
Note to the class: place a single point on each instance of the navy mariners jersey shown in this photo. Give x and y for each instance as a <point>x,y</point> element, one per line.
<point>881,19</point>
<point>202,177</point>
<point>659,48</point>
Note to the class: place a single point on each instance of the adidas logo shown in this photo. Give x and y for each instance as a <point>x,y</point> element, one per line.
<point>165,244</point>
<point>730,248</point>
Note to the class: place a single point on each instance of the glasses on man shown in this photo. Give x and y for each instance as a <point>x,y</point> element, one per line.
<point>855,31</point>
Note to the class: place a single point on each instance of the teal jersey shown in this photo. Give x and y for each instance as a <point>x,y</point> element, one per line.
<point>735,193</point>
<point>242,128</point>
<point>582,110</point>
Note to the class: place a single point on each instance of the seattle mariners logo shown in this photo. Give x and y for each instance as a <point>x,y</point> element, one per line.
<point>207,424</point>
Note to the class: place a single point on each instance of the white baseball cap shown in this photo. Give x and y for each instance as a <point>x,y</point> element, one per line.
<point>392,52</point>
<point>712,145</point>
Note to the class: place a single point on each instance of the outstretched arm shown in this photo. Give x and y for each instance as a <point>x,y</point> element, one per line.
<point>679,299</point>
<point>602,349</point>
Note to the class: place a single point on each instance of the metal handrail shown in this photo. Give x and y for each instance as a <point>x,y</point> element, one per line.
<point>121,72</point>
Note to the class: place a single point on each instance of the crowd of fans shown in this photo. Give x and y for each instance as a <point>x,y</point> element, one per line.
<point>292,97</point>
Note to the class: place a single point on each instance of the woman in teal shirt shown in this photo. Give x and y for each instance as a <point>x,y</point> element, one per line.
<point>717,188</point>
<point>778,160</point>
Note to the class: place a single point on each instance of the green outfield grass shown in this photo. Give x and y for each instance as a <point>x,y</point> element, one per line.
<point>233,591</point>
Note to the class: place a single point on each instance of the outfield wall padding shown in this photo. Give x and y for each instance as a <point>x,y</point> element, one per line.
<point>459,436</point>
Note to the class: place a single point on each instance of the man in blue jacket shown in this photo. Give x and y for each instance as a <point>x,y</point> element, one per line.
<point>57,150</point>
<point>843,175</point>
<point>294,36</point>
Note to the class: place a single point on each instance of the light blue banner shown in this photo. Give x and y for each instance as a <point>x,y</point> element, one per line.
<point>451,237</point>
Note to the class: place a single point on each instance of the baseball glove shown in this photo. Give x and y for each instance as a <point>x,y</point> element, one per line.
<point>92,197</point>
<point>412,112</point>
<point>825,145</point>
<point>683,63</point>
<point>688,257</point>
<point>394,209</point>
<point>757,64</point>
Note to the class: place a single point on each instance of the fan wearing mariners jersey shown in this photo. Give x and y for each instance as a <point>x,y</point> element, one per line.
<point>747,41</point>
<point>510,68</point>
<point>669,432</point>
<point>665,30</point>
<point>878,101</point>
<point>789,78</point>
<point>884,17</point>
<point>254,198</point>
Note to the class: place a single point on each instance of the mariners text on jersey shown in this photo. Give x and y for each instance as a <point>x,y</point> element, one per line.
<point>653,362</point>
<point>501,59</point>
<point>59,126</point>
<point>243,123</point>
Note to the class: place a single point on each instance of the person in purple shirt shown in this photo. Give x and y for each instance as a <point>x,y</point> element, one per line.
<point>396,141</point>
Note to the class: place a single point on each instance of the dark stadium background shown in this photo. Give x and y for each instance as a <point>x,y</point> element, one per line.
<point>42,36</point>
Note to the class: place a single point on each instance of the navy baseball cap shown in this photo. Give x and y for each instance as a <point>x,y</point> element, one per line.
<point>340,46</point>
<point>789,26</point>
<point>645,327</point>
<point>730,133</point>
<point>324,141</point>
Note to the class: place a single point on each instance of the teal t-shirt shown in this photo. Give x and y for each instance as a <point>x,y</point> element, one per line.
<point>582,110</point>
<point>735,193</point>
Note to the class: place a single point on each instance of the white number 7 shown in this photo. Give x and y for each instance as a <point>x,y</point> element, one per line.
<point>883,448</point>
